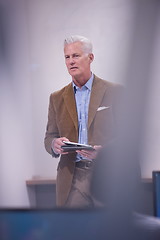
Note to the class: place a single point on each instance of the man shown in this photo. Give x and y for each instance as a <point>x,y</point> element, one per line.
<point>83,112</point>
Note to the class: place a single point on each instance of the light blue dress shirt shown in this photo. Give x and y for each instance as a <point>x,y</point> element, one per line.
<point>82,96</point>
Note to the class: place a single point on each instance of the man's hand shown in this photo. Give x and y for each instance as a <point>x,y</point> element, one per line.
<point>57,143</point>
<point>90,154</point>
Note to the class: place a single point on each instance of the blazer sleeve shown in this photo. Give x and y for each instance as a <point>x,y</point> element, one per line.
<point>51,129</point>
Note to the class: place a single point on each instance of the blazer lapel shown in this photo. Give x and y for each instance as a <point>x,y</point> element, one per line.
<point>98,90</point>
<point>69,100</point>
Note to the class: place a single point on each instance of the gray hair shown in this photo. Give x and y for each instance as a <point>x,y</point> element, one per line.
<point>87,45</point>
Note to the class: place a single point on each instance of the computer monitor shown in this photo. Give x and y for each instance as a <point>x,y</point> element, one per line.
<point>156,192</point>
<point>51,224</point>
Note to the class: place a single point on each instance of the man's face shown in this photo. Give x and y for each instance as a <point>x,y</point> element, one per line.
<point>77,61</point>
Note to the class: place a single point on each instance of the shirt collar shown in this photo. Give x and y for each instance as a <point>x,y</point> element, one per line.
<point>88,84</point>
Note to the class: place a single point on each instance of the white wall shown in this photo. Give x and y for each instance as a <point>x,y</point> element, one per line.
<point>33,67</point>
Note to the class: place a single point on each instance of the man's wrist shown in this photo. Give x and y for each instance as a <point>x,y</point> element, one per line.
<point>54,153</point>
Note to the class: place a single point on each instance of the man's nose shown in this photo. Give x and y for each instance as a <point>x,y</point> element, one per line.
<point>72,61</point>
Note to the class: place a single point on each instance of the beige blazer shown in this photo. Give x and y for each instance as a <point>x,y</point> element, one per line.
<point>63,122</point>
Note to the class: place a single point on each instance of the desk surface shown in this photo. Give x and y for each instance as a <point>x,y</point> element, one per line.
<point>48,181</point>
<point>40,181</point>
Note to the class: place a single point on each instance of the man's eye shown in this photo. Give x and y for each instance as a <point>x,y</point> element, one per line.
<point>66,57</point>
<point>76,56</point>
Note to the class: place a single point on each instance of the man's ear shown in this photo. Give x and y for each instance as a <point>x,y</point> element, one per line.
<point>91,57</point>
